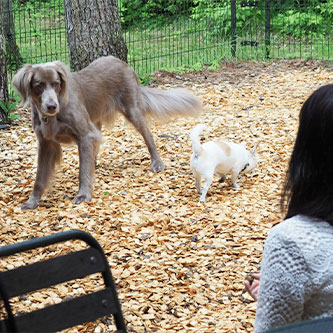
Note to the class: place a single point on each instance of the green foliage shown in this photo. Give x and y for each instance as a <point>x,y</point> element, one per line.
<point>146,80</point>
<point>293,18</point>
<point>9,106</point>
<point>304,21</point>
<point>40,27</point>
<point>151,13</point>
<point>214,65</point>
<point>217,15</point>
<point>184,35</point>
<point>296,24</point>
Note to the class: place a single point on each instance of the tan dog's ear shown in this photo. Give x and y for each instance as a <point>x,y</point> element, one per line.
<point>63,72</point>
<point>22,83</point>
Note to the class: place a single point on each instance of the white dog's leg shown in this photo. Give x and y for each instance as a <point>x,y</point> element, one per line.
<point>197,177</point>
<point>197,185</point>
<point>234,176</point>
<point>208,182</point>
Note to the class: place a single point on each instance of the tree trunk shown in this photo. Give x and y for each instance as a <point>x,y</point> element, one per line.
<point>93,30</point>
<point>3,75</point>
<point>14,58</point>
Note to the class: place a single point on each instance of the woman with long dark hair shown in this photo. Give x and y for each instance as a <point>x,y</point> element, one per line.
<point>296,278</point>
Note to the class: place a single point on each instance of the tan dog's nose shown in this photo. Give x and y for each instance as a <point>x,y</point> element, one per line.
<point>51,107</point>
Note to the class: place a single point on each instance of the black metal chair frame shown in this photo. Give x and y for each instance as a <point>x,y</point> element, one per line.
<point>47,273</point>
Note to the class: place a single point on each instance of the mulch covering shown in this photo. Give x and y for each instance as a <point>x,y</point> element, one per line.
<point>179,265</point>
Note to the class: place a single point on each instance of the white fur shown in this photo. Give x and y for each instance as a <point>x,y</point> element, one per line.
<point>210,158</point>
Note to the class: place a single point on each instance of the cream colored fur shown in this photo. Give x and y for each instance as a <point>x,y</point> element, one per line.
<point>218,157</point>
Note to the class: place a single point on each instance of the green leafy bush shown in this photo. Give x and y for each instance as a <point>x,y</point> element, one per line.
<point>8,107</point>
<point>217,14</point>
<point>151,13</point>
<point>306,18</point>
<point>298,24</point>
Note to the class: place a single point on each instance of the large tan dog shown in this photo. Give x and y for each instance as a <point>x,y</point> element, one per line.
<point>71,107</point>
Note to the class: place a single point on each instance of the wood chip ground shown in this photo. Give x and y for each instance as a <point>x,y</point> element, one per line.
<point>179,265</point>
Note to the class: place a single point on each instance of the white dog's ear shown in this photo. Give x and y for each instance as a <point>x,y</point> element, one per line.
<point>22,83</point>
<point>63,72</point>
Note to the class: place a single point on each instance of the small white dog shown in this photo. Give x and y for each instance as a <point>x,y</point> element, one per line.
<point>218,157</point>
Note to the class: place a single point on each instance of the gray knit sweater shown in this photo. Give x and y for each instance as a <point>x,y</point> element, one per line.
<point>296,279</point>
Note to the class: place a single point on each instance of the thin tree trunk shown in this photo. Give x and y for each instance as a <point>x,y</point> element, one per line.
<point>3,75</point>
<point>14,58</point>
<point>93,30</point>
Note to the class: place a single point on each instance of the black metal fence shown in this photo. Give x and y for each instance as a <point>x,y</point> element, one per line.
<point>178,34</point>
<point>40,30</point>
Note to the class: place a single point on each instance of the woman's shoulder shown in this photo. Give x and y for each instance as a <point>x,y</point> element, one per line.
<point>311,237</point>
<point>301,225</point>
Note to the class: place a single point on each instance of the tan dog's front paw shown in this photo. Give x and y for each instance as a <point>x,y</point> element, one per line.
<point>157,166</point>
<point>32,203</point>
<point>81,198</point>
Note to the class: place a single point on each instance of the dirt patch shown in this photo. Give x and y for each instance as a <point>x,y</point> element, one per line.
<point>179,265</point>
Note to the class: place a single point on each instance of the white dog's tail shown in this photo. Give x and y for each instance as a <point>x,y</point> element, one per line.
<point>194,135</point>
<point>166,104</point>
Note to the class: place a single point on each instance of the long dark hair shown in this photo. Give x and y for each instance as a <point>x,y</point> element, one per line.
<point>308,189</point>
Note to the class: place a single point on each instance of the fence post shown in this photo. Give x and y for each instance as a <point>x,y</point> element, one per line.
<point>267,28</point>
<point>233,28</point>
<point>3,74</point>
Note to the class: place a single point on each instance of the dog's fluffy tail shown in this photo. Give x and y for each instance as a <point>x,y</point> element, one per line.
<point>194,135</point>
<point>167,104</point>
